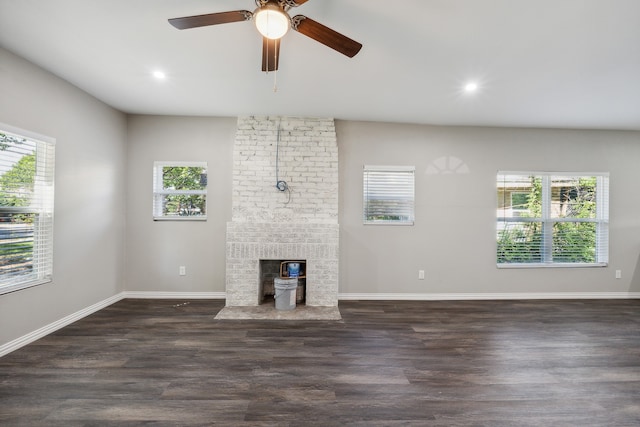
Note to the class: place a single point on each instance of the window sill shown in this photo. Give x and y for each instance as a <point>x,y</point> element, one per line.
<point>388,223</point>
<point>6,289</point>
<point>185,218</point>
<point>551,265</point>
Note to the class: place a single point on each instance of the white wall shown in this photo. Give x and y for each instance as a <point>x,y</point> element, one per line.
<point>89,194</point>
<point>155,249</point>
<point>453,239</point>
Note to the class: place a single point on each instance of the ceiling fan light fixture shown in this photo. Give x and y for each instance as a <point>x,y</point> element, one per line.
<point>271,21</point>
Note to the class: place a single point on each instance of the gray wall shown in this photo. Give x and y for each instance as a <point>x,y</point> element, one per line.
<point>89,199</point>
<point>453,239</point>
<point>104,160</point>
<point>155,249</point>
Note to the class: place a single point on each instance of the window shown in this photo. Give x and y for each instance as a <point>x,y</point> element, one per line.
<point>180,190</point>
<point>552,219</point>
<point>26,209</point>
<point>519,203</point>
<point>389,195</point>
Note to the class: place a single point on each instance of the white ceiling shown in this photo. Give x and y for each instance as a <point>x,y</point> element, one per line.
<point>539,63</point>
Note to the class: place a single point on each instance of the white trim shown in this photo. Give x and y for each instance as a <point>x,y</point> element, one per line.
<point>181,218</point>
<point>58,324</point>
<point>174,295</point>
<point>551,173</point>
<point>159,191</point>
<point>7,289</point>
<point>182,192</point>
<point>396,190</point>
<point>507,265</point>
<point>488,296</point>
<point>547,219</point>
<point>388,222</point>
<point>383,168</point>
<point>188,164</point>
<point>40,202</point>
<point>26,134</point>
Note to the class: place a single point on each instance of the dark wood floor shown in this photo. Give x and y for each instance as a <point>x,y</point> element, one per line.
<point>465,363</point>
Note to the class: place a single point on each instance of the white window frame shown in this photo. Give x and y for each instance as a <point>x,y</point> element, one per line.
<point>42,204</point>
<point>159,192</point>
<point>601,220</point>
<point>404,190</point>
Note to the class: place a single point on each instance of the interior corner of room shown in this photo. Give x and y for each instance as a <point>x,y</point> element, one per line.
<point>371,213</point>
<point>107,245</point>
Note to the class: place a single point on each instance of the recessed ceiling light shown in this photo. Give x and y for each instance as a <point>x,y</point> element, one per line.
<point>160,75</point>
<point>471,87</point>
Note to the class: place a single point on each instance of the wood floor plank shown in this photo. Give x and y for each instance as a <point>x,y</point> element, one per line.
<point>386,363</point>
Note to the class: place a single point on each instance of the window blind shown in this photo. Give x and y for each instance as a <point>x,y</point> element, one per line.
<point>389,193</point>
<point>26,210</point>
<point>554,219</point>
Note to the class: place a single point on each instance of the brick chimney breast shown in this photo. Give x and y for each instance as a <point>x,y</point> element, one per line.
<point>299,223</point>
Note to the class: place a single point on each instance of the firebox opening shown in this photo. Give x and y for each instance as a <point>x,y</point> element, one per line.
<point>271,269</point>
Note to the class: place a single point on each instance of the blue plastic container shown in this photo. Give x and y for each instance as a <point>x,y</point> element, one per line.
<point>293,268</point>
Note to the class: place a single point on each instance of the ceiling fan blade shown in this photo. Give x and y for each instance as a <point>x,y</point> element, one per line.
<point>210,19</point>
<point>325,35</point>
<point>270,54</point>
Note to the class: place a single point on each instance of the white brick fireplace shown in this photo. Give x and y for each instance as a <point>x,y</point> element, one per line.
<point>300,223</point>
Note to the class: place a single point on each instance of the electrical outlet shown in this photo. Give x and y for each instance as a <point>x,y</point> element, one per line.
<point>618,274</point>
<point>182,271</point>
<point>421,274</point>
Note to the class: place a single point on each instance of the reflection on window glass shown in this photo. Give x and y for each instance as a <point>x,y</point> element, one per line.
<point>388,195</point>
<point>26,211</point>
<point>546,218</point>
<point>180,190</point>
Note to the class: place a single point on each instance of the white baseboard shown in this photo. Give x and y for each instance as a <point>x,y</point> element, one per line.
<point>488,296</point>
<point>174,295</point>
<point>58,324</point>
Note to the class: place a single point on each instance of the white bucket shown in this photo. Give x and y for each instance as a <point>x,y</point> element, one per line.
<point>285,293</point>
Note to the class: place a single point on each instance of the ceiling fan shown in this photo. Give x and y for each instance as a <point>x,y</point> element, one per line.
<point>273,21</point>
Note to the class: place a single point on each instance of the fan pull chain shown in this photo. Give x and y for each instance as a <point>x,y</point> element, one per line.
<point>275,72</point>
<point>275,81</point>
